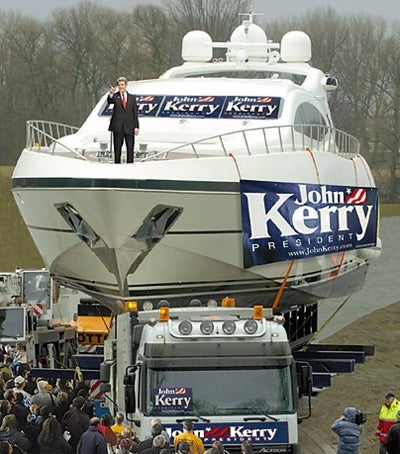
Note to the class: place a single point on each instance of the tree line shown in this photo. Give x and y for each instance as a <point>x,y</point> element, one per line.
<point>57,69</point>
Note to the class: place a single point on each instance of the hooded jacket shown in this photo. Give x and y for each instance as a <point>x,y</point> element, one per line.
<point>348,431</point>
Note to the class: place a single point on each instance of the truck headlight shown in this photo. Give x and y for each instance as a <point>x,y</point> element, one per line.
<point>185,327</point>
<point>250,326</point>
<point>207,327</point>
<point>229,327</point>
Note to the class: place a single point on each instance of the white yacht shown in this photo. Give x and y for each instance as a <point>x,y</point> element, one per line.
<point>241,185</point>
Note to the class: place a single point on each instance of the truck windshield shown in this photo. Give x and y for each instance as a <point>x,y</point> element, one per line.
<point>219,391</point>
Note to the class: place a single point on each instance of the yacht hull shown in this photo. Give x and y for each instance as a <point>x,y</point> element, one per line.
<point>173,229</point>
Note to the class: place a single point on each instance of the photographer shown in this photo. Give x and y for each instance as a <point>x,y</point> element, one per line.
<point>348,428</point>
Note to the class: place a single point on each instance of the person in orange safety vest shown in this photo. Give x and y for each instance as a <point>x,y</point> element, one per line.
<point>387,417</point>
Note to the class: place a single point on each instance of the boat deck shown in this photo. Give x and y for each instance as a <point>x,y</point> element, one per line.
<point>48,137</point>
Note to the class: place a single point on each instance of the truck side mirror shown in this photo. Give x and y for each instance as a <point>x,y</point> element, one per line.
<point>105,369</point>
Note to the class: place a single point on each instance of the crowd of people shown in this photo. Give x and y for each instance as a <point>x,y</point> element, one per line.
<point>39,416</point>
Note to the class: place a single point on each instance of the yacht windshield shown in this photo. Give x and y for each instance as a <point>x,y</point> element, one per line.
<point>218,391</point>
<point>213,71</point>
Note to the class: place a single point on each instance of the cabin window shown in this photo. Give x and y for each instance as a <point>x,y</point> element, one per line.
<point>309,121</point>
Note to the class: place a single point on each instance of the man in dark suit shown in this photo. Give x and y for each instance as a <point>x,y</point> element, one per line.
<point>124,122</point>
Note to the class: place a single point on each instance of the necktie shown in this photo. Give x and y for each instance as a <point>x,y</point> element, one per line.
<point>124,100</point>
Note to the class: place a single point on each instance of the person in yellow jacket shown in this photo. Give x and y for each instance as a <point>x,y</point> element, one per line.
<point>387,417</point>
<point>188,439</point>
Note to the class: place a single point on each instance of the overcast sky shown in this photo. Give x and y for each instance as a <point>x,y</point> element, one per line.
<point>274,9</point>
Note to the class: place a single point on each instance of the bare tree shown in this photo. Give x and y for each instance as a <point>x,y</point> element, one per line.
<point>218,18</point>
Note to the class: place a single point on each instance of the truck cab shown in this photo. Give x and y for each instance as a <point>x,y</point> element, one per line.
<point>230,370</point>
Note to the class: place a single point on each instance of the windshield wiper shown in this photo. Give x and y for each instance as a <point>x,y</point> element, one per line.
<point>195,415</point>
<point>260,418</point>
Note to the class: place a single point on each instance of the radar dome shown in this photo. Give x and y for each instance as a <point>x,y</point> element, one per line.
<point>255,39</point>
<point>197,46</point>
<point>296,47</point>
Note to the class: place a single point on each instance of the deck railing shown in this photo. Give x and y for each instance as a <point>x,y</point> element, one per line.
<point>269,139</point>
<point>45,136</point>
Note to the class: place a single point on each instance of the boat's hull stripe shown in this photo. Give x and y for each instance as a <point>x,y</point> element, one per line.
<point>106,183</point>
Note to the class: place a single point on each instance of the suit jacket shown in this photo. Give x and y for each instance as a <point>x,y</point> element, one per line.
<point>121,119</point>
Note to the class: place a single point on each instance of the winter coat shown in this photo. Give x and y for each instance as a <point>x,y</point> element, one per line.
<point>387,417</point>
<point>348,431</point>
<point>76,422</point>
<point>20,443</point>
<point>59,446</point>
<point>92,442</point>
<point>393,439</point>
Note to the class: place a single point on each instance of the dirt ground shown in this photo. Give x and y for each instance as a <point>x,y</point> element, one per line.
<point>366,387</point>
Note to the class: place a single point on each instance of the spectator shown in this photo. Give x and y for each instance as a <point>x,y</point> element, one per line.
<point>30,384</point>
<point>148,443</point>
<point>76,421</point>
<point>20,383</point>
<point>62,406</point>
<point>34,425</point>
<point>9,432</point>
<point>43,397</point>
<point>393,437</point>
<point>220,447</point>
<point>387,417</point>
<point>105,428</point>
<point>128,442</point>
<point>118,427</point>
<point>51,440</point>
<point>88,408</point>
<point>349,432</point>
<point>92,441</point>
<point>5,369</point>
<point>20,411</point>
<point>247,447</point>
<point>63,385</point>
<point>158,443</point>
<point>155,421</point>
<point>195,443</point>
<point>5,408</point>
<point>20,360</point>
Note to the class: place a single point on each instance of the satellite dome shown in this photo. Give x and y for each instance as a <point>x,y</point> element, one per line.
<point>197,46</point>
<point>249,34</point>
<point>296,47</point>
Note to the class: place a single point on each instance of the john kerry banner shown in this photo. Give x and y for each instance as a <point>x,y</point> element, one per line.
<point>289,221</point>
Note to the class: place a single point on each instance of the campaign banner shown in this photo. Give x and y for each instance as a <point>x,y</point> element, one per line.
<point>291,221</point>
<point>187,106</point>
<point>171,400</point>
<point>192,106</point>
<point>251,107</point>
<point>148,106</point>
<point>234,433</point>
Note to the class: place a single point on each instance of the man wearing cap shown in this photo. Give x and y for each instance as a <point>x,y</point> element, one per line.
<point>195,443</point>
<point>19,388</point>
<point>387,417</point>
<point>393,437</point>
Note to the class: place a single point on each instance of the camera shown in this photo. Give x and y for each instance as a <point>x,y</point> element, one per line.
<point>361,417</point>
